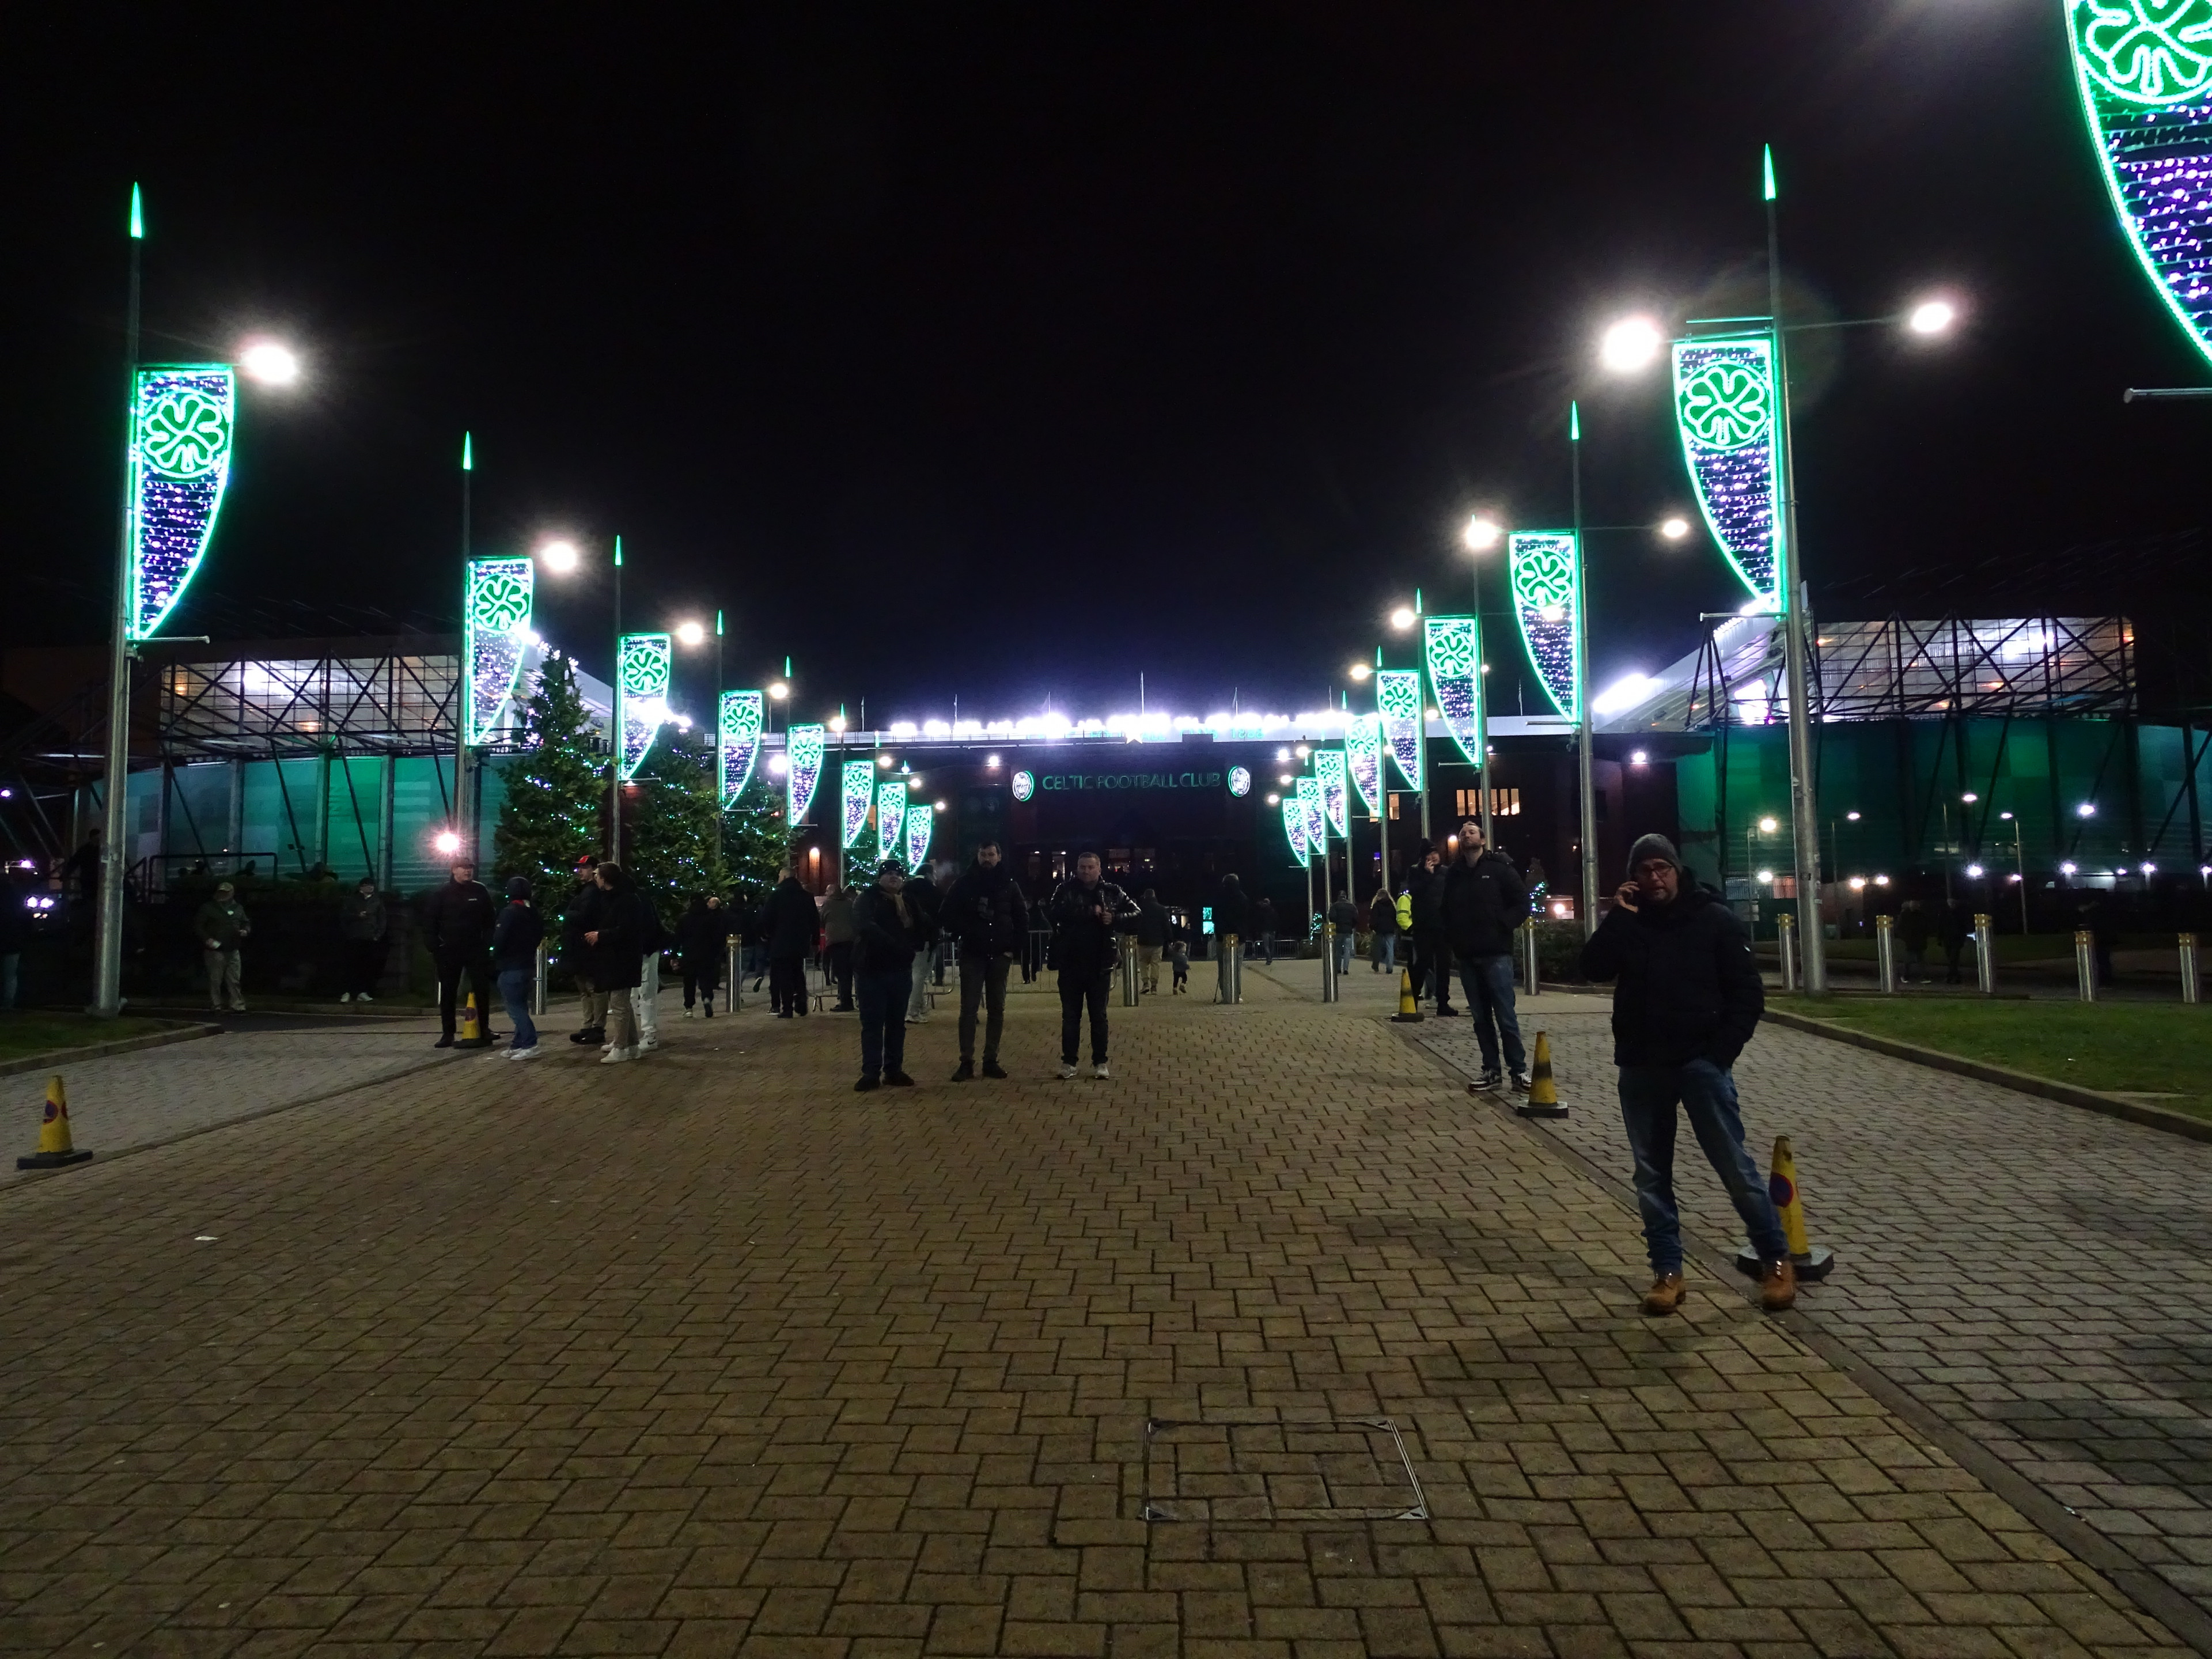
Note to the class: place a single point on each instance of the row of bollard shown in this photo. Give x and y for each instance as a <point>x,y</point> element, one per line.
<point>1985,960</point>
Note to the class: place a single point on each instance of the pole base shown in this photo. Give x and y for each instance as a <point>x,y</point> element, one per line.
<point>1540,1111</point>
<point>1811,1268</point>
<point>52,1160</point>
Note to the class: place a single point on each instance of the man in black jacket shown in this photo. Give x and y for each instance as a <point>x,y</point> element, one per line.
<point>1485,900</point>
<point>1686,1000</point>
<point>459,918</point>
<point>989,920</point>
<point>790,924</point>
<point>886,931</point>
<point>515,958</point>
<point>1084,911</point>
<point>582,917</point>
<point>1152,930</point>
<point>1432,952</point>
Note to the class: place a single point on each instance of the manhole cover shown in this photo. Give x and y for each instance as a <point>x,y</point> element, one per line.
<point>1342,1469</point>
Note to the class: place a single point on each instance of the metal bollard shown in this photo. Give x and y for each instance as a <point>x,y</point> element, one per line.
<point>1235,969</point>
<point>1328,991</point>
<point>1785,936</point>
<point>736,978</point>
<point>2192,985</point>
<point>537,985</point>
<point>1532,961</point>
<point>1128,970</point>
<point>2085,965</point>
<point>1885,953</point>
<point>1985,957</point>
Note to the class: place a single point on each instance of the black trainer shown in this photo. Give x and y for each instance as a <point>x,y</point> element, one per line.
<point>865,1084</point>
<point>898,1080</point>
<point>445,1041</point>
<point>962,1071</point>
<point>992,1068</point>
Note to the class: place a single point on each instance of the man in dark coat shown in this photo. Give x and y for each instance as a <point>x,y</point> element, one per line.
<point>989,921</point>
<point>1085,911</point>
<point>1432,960</point>
<point>616,941</point>
<point>1344,916</point>
<point>361,925</point>
<point>703,938</point>
<point>1153,927</point>
<point>515,942</point>
<point>885,932</point>
<point>790,925</point>
<point>581,917</point>
<point>1263,923</point>
<point>1485,900</point>
<point>1686,997</point>
<point>458,918</point>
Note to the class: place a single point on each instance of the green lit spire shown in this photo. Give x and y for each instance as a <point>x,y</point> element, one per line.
<point>468,452</point>
<point>1772,193</point>
<point>1417,601</point>
<point>718,624</point>
<point>137,216</point>
<point>1574,423</point>
<point>617,552</point>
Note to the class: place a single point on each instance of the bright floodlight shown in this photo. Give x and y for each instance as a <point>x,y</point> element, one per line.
<point>1402,617</point>
<point>1932,317</point>
<point>1974,871</point>
<point>1768,826</point>
<point>1854,818</point>
<point>690,633</point>
<point>559,557</point>
<point>1360,670</point>
<point>269,362</point>
<point>2088,809</point>
<point>1766,875</point>
<point>779,691</point>
<point>836,722</point>
<point>448,842</point>
<point>1629,344</point>
<point>1675,529</point>
<point>1482,533</point>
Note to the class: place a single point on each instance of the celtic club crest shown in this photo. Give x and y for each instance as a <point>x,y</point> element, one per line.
<point>2145,52</point>
<point>1451,647</point>
<point>645,664</point>
<point>502,600</point>
<point>1544,573</point>
<point>1727,404</point>
<point>185,433</point>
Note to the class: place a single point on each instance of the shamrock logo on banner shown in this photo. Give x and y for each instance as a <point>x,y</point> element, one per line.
<point>1726,404</point>
<point>185,433</point>
<point>2146,52</point>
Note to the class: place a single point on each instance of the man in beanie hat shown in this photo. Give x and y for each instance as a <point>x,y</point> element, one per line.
<point>1686,997</point>
<point>515,939</point>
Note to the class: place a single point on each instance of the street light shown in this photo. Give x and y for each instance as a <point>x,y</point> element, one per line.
<point>559,557</point>
<point>269,362</point>
<point>690,633</point>
<point>1482,533</point>
<point>1932,317</point>
<point>1673,529</point>
<point>1629,344</point>
<point>1768,826</point>
<point>1359,671</point>
<point>1402,617</point>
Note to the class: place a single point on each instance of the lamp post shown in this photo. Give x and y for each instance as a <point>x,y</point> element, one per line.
<point>1584,779</point>
<point>464,817</point>
<point>1481,535</point>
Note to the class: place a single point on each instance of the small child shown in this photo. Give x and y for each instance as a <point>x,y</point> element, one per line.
<point>1179,955</point>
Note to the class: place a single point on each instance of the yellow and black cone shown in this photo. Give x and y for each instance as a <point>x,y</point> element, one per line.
<point>471,1023</point>
<point>1811,1262</point>
<point>55,1152</point>
<point>1543,1093</point>
<point>1409,1006</point>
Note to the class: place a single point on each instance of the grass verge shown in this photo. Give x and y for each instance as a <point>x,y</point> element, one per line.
<point>2122,1047</point>
<point>37,1031</point>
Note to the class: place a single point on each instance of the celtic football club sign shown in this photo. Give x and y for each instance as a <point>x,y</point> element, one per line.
<point>1724,408</point>
<point>181,420</point>
<point>494,633</point>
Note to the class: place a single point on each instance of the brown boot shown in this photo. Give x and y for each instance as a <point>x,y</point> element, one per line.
<point>1777,1286</point>
<point>1665,1295</point>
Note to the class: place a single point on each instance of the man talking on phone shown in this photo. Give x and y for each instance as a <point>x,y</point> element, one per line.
<point>1686,1000</point>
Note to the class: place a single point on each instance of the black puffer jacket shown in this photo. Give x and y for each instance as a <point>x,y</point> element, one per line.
<point>1483,903</point>
<point>1428,890</point>
<point>620,953</point>
<point>790,921</point>
<point>1687,986</point>
<point>459,916</point>
<point>987,912</point>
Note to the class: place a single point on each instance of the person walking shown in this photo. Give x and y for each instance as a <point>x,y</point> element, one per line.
<point>1383,930</point>
<point>886,934</point>
<point>652,939</point>
<point>1912,932</point>
<point>583,915</point>
<point>459,917</point>
<point>926,900</point>
<point>1231,921</point>
<point>1345,915</point>
<point>1958,926</point>
<point>702,940</point>
<point>614,938</point>
<point>1084,910</point>
<point>222,925</point>
<point>1179,959</point>
<point>790,926</point>
<point>1263,921</point>
<point>1432,951</point>
<point>1152,929</point>
<point>14,934</point>
<point>837,935</point>
<point>988,919</point>
<point>360,928</point>
<point>1686,997</point>
<point>1485,900</point>
<point>515,939</point>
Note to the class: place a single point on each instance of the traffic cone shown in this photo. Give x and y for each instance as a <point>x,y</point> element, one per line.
<point>54,1152</point>
<point>1782,1188</point>
<point>1409,1009</point>
<point>1543,1094</point>
<point>471,1024</point>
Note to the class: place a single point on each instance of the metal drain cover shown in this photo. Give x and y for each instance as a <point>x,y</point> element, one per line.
<point>1337,1469</point>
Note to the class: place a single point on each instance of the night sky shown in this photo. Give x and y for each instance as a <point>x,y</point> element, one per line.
<point>1005,352</point>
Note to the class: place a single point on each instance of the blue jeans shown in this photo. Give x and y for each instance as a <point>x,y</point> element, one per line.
<point>1344,942</point>
<point>1384,955</point>
<point>882,993</point>
<point>516,987</point>
<point>1487,984</point>
<point>1707,1092</point>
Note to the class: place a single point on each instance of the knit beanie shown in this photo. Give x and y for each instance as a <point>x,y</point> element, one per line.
<point>1651,847</point>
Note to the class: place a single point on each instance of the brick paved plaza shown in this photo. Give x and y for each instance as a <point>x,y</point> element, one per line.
<point>710,1355</point>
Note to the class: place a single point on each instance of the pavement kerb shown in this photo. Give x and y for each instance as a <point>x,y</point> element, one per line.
<point>2133,1111</point>
<point>25,1181</point>
<point>99,1050</point>
<point>2150,1593</point>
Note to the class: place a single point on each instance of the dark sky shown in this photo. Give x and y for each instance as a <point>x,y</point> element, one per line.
<point>1007,352</point>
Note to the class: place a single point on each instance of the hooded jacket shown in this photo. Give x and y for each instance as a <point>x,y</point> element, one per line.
<point>1483,903</point>
<point>514,937</point>
<point>703,935</point>
<point>987,912</point>
<point>362,919</point>
<point>1426,889</point>
<point>618,958</point>
<point>837,917</point>
<point>1686,985</point>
